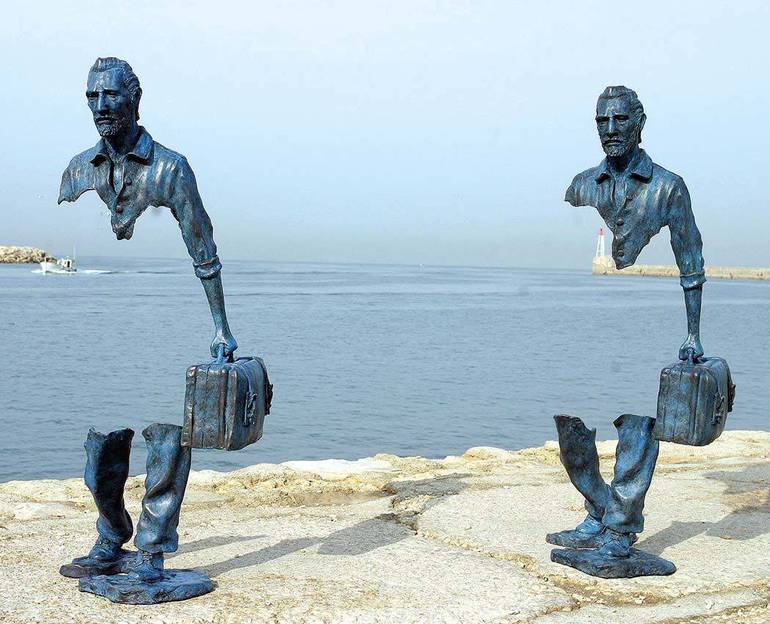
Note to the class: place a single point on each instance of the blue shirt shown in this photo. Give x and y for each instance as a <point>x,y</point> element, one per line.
<point>635,205</point>
<point>149,175</point>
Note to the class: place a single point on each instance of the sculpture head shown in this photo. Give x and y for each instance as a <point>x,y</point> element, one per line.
<point>619,119</point>
<point>113,94</point>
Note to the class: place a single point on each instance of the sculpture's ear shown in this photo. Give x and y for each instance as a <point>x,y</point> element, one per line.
<point>137,98</point>
<point>641,127</point>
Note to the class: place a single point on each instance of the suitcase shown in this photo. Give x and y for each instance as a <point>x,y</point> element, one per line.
<point>225,403</point>
<point>693,401</point>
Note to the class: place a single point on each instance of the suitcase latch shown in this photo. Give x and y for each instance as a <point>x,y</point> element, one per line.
<point>250,414</point>
<point>720,402</point>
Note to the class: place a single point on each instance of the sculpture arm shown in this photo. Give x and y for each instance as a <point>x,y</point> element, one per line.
<point>692,346</point>
<point>687,246</point>
<point>198,235</point>
<point>216,298</point>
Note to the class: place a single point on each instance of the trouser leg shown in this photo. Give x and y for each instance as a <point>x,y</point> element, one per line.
<point>105,476</point>
<point>577,450</point>
<point>635,459</point>
<point>168,467</point>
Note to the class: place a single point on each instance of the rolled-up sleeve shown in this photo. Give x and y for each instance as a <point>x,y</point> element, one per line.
<point>197,231</point>
<point>685,238</point>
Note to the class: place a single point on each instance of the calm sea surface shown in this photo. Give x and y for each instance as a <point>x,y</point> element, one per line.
<point>365,359</point>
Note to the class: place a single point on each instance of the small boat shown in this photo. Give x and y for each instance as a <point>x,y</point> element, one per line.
<point>64,265</point>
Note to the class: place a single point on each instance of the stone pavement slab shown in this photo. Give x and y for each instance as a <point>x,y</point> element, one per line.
<point>391,539</point>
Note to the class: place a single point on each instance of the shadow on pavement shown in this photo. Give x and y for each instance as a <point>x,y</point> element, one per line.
<point>747,492</point>
<point>354,540</point>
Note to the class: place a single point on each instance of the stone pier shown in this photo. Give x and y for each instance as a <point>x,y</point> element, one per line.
<point>605,266</point>
<point>412,540</point>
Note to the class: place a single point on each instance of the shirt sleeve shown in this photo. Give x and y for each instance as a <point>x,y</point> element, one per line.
<point>197,231</point>
<point>685,238</point>
<point>571,194</point>
<point>65,188</point>
<point>77,178</point>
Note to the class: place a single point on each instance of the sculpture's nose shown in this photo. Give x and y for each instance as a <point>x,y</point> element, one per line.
<point>101,102</point>
<point>612,126</point>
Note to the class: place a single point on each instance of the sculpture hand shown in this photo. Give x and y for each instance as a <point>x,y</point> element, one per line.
<point>223,338</point>
<point>691,348</point>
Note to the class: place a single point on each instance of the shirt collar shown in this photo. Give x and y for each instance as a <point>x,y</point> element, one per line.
<point>141,151</point>
<point>641,168</point>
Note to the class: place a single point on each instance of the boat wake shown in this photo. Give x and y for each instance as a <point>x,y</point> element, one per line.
<point>78,272</point>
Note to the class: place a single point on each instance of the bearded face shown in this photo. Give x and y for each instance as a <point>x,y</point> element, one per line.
<point>108,127</point>
<point>618,125</point>
<point>111,104</point>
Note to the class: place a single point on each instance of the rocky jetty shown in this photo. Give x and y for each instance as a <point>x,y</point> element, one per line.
<point>407,540</point>
<point>10,254</point>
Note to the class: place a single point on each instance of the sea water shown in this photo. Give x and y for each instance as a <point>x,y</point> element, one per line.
<point>365,359</point>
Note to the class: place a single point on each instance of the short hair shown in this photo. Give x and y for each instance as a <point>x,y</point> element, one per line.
<point>130,79</point>
<point>619,91</point>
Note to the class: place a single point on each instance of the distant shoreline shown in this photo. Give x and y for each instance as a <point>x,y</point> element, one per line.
<point>15,254</point>
<point>604,266</point>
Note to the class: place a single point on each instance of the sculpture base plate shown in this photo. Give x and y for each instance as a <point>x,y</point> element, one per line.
<point>638,563</point>
<point>94,567</point>
<point>175,585</point>
<point>573,539</point>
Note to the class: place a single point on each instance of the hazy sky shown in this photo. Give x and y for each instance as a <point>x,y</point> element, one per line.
<point>398,131</point>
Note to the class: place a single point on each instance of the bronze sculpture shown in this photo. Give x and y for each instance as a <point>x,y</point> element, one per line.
<point>130,172</point>
<point>636,198</point>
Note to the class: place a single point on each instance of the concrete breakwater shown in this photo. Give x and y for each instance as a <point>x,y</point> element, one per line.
<point>605,266</point>
<point>404,540</point>
<point>10,254</point>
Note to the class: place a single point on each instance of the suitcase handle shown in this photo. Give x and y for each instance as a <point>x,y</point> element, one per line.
<point>692,360</point>
<point>220,359</point>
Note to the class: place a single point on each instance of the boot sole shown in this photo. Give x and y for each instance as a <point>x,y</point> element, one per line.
<point>568,539</point>
<point>109,568</point>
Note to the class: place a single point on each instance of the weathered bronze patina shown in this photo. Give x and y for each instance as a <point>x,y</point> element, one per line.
<point>131,172</point>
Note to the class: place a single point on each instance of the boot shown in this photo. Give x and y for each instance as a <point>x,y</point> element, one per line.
<point>105,476</point>
<point>577,451</point>
<point>103,550</point>
<point>587,534</point>
<point>147,567</point>
<point>617,545</point>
